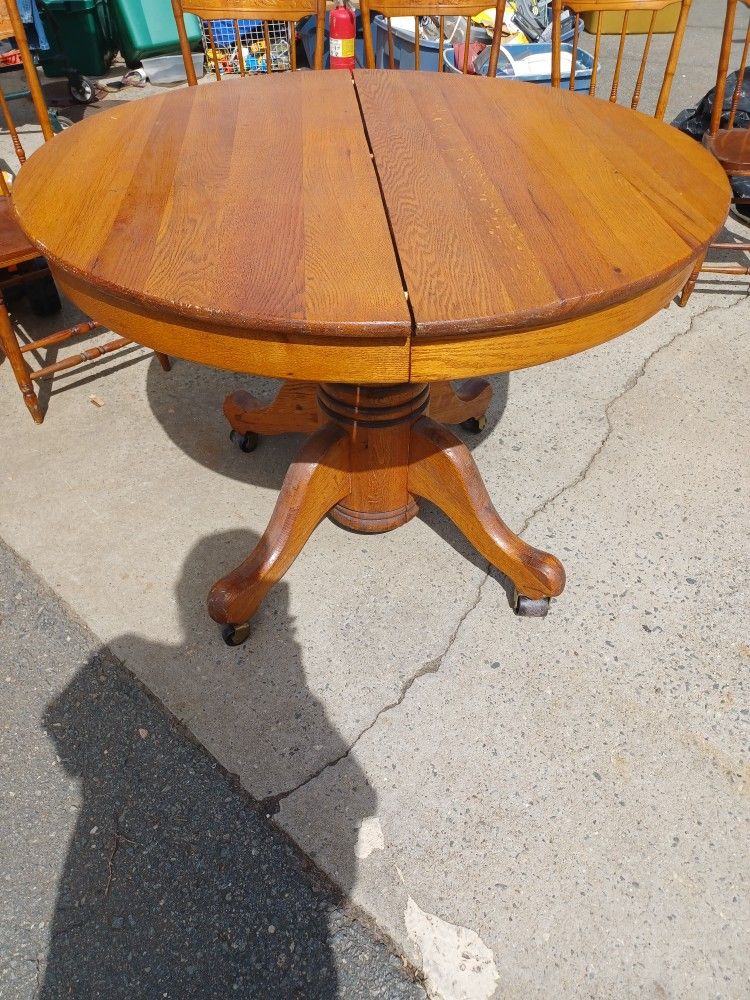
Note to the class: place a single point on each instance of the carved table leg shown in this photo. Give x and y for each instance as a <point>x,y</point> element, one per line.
<point>373,455</point>
<point>317,479</point>
<point>442,471</point>
<point>294,409</point>
<point>465,405</point>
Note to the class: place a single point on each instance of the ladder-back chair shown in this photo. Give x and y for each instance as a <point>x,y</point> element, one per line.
<point>22,267</point>
<point>729,144</point>
<point>423,8</point>
<point>288,11</point>
<point>628,9</point>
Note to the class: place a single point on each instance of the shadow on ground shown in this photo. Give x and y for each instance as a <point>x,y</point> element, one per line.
<point>191,397</point>
<point>174,885</point>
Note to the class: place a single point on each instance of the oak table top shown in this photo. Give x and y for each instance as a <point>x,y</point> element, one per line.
<point>368,238</point>
<point>431,224</point>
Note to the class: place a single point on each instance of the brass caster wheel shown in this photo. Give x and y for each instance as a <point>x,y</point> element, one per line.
<point>531,607</point>
<point>235,635</point>
<point>475,425</point>
<point>245,442</point>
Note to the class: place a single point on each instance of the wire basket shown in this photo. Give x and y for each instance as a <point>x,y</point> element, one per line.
<point>252,43</point>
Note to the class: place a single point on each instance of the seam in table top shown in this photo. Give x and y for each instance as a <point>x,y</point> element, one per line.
<point>373,160</point>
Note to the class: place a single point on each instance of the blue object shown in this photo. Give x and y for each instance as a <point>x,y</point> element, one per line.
<point>31,19</point>
<point>404,48</point>
<point>223,31</point>
<point>584,64</point>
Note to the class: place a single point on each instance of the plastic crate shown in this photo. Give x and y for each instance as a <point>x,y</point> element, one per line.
<point>80,36</point>
<point>253,42</point>
<point>510,54</point>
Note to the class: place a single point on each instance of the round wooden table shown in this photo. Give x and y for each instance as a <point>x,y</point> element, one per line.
<point>363,237</point>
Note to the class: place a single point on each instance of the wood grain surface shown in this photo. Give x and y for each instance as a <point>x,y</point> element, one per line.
<point>514,205</point>
<point>240,204</point>
<point>247,225</point>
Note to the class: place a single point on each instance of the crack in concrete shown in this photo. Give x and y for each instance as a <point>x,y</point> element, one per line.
<point>272,804</point>
<point>631,383</point>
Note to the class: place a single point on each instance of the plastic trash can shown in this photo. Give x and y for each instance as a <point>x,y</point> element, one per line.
<point>80,36</point>
<point>146,28</point>
<point>404,47</point>
<point>510,64</point>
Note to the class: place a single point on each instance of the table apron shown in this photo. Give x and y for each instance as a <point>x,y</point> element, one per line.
<point>375,362</point>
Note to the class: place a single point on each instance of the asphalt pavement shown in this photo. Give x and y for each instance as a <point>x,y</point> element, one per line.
<point>131,865</point>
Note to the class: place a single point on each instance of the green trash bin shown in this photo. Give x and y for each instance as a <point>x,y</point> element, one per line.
<point>81,42</point>
<point>147,28</point>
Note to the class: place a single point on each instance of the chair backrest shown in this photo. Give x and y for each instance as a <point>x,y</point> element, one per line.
<point>35,90</point>
<point>721,77</point>
<point>625,8</point>
<point>288,11</point>
<point>425,8</point>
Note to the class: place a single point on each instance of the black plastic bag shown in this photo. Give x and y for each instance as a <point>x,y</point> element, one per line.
<point>695,121</point>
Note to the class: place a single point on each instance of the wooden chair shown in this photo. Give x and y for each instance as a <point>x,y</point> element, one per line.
<point>289,11</point>
<point>22,265</point>
<point>627,8</point>
<point>425,8</point>
<point>730,145</point>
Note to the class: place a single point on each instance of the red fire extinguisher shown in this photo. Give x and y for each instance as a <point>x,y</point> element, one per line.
<point>342,31</point>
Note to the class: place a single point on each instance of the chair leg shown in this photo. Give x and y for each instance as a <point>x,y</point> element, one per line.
<point>687,291</point>
<point>164,361</point>
<point>17,361</point>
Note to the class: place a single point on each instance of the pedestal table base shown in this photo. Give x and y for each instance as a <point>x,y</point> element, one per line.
<point>372,454</point>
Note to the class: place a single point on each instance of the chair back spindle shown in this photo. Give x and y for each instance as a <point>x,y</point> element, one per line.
<point>423,8</point>
<point>723,69</point>
<point>626,8</point>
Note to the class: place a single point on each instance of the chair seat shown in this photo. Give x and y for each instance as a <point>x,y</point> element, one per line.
<point>14,247</point>
<point>731,147</point>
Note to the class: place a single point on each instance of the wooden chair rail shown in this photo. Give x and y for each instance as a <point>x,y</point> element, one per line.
<point>79,330</point>
<point>88,354</point>
<point>617,6</point>
<point>274,12</point>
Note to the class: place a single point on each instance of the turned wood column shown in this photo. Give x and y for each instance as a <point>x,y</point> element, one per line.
<point>378,420</point>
